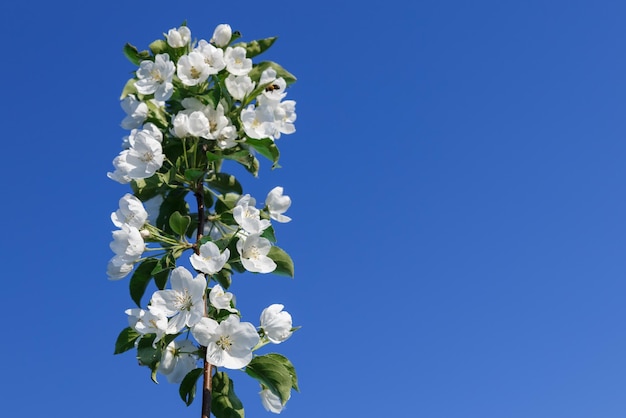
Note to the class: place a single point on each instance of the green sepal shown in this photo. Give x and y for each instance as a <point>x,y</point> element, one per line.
<point>187,389</point>
<point>140,279</point>
<point>257,47</point>
<point>255,73</point>
<point>158,47</point>
<point>224,401</point>
<point>273,374</point>
<point>225,183</point>
<point>267,148</point>
<point>179,223</point>
<point>126,340</point>
<point>133,55</point>
<point>284,263</point>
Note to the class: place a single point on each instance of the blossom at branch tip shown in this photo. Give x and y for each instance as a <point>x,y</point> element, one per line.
<point>178,38</point>
<point>118,268</point>
<point>147,322</point>
<point>209,261</point>
<point>183,304</point>
<point>272,402</point>
<point>253,251</point>
<point>192,69</point>
<point>213,57</point>
<point>220,299</point>
<point>277,204</point>
<point>276,90</point>
<point>178,359</point>
<point>276,323</point>
<point>228,344</point>
<point>131,212</point>
<point>155,77</point>
<point>143,157</point>
<point>136,112</point>
<point>222,35</point>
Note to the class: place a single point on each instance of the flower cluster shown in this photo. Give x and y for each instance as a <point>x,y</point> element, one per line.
<point>191,106</point>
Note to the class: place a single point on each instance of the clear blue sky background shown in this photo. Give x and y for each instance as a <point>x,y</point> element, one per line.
<point>458,178</point>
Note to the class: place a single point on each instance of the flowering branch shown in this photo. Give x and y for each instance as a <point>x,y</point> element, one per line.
<point>190,106</point>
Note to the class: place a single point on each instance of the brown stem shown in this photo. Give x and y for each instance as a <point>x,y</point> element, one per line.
<point>207,386</point>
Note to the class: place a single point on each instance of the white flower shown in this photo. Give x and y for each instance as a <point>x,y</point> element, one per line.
<point>119,267</point>
<point>221,35</point>
<point>142,159</point>
<point>236,61</point>
<point>209,261</point>
<point>276,90</point>
<point>183,303</point>
<point>258,122</point>
<point>253,251</point>
<point>276,323</point>
<point>239,86</point>
<point>147,322</point>
<point>127,243</point>
<point>227,137</point>
<point>249,217</point>
<point>228,344</point>
<point>156,77</point>
<point>178,38</point>
<point>220,299</point>
<point>213,57</point>
<point>131,212</point>
<point>278,204</point>
<point>192,69</point>
<point>136,112</point>
<point>178,359</point>
<point>271,402</point>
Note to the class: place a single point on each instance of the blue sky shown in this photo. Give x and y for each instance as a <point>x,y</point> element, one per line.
<point>458,184</point>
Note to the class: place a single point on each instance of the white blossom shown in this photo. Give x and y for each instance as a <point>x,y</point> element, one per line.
<point>277,204</point>
<point>220,299</point>
<point>258,121</point>
<point>272,402</point>
<point>209,261</point>
<point>119,267</point>
<point>192,69</point>
<point>183,303</point>
<point>239,86</point>
<point>147,322</point>
<point>178,359</point>
<point>127,243</point>
<point>131,212</point>
<point>213,57</point>
<point>221,35</point>
<point>253,251</point>
<point>136,112</point>
<point>236,61</point>
<point>156,77</point>
<point>142,159</point>
<point>229,344</point>
<point>276,323</point>
<point>276,90</point>
<point>248,217</point>
<point>178,38</point>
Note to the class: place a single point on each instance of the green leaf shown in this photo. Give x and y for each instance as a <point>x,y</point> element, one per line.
<point>179,223</point>
<point>266,147</point>
<point>162,269</point>
<point>226,202</point>
<point>246,159</point>
<point>187,389</point>
<point>273,374</point>
<point>133,55</point>
<point>126,340</point>
<point>223,277</point>
<point>284,263</point>
<point>158,47</point>
<point>224,402</point>
<point>193,174</point>
<point>255,73</point>
<point>140,279</point>
<point>288,365</point>
<point>225,183</point>
<point>173,201</point>
<point>269,234</point>
<point>255,48</point>
<point>148,355</point>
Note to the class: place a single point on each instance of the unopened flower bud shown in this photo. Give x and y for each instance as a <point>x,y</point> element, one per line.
<point>222,35</point>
